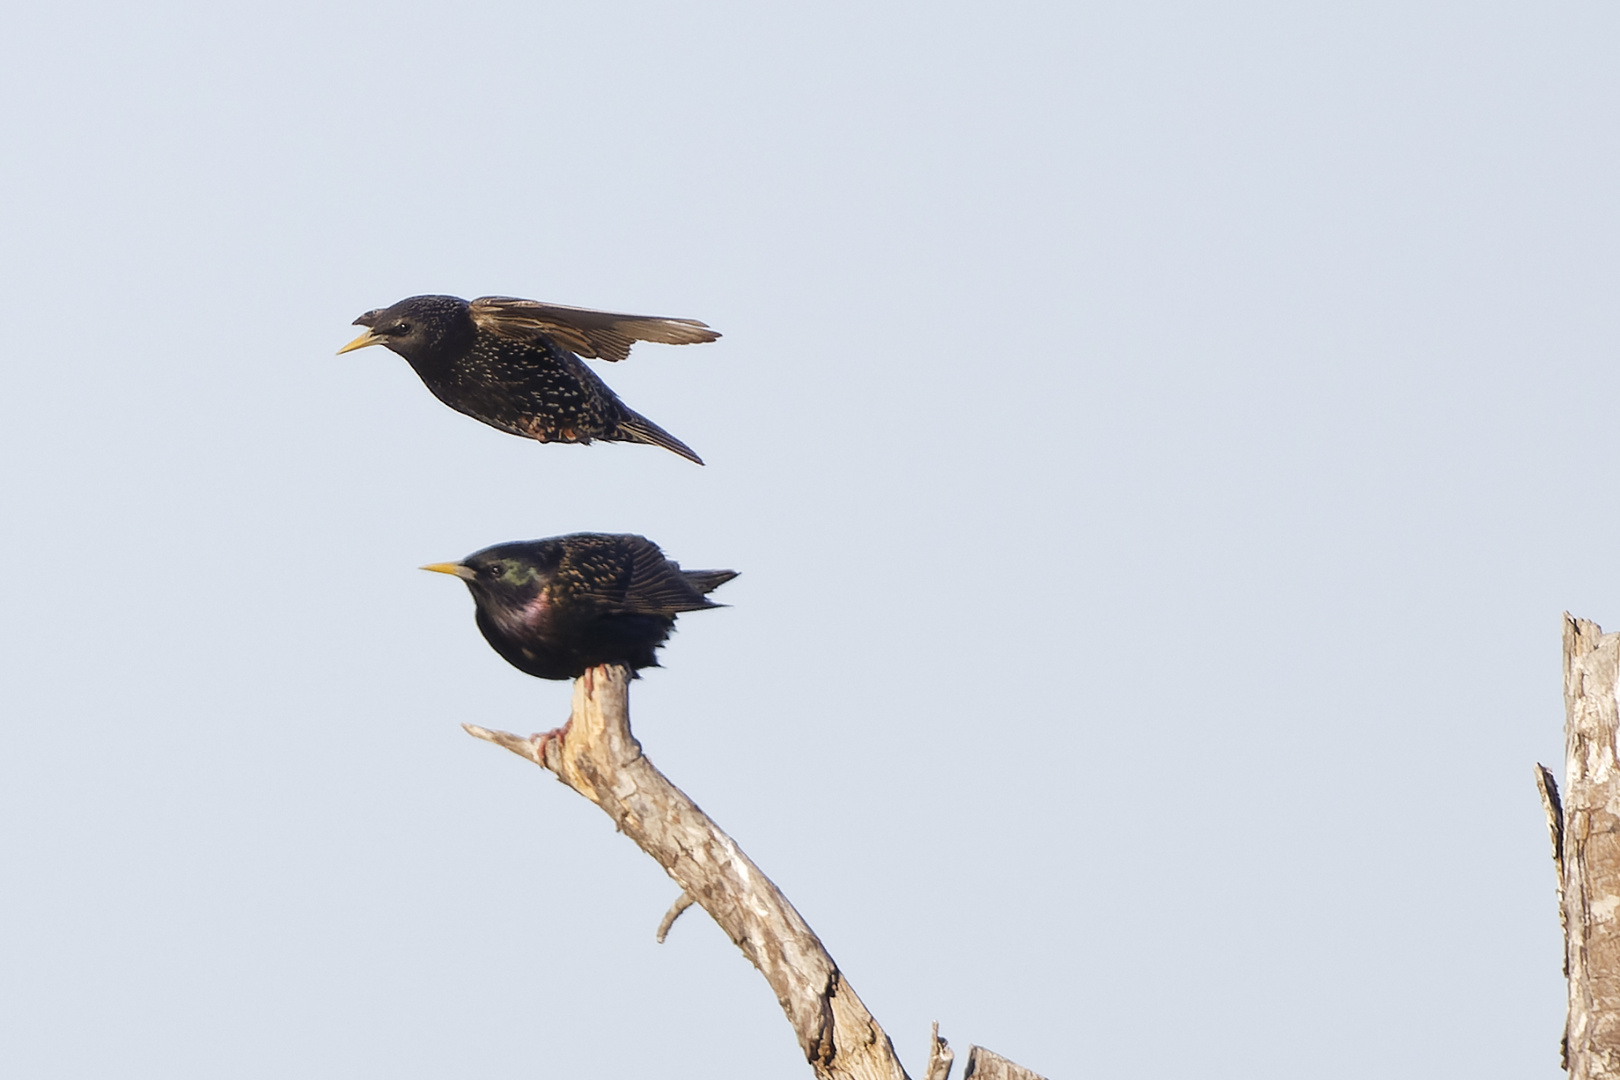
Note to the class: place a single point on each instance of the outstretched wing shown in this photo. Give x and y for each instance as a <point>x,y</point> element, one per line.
<point>601,334</point>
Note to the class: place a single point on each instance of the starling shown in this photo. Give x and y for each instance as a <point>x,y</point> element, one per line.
<point>554,608</point>
<point>515,364</point>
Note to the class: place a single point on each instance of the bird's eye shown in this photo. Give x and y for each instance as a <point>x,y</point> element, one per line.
<point>400,328</point>
<point>494,570</point>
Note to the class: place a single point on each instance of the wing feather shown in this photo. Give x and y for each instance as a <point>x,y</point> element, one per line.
<point>658,586</point>
<point>605,335</point>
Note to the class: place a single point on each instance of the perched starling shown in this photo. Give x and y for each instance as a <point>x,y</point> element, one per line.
<point>555,607</point>
<point>515,364</point>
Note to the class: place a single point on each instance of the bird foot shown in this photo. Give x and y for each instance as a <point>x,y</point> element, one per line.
<point>541,739</point>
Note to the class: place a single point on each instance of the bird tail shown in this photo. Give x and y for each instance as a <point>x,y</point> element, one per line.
<point>637,428</point>
<point>706,581</point>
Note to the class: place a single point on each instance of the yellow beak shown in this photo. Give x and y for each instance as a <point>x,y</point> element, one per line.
<point>370,337</point>
<point>466,573</point>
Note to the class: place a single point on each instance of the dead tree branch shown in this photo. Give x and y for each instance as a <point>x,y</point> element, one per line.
<point>1585,829</point>
<point>940,1056</point>
<point>597,756</point>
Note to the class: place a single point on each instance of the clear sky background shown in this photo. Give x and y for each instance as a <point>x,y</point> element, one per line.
<point>1158,441</point>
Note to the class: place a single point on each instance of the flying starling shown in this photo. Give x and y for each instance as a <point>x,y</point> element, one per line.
<point>515,364</point>
<point>554,608</point>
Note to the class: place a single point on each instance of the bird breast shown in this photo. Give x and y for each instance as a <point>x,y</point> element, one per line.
<point>525,619</point>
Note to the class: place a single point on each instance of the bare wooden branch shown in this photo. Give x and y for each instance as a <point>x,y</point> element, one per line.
<point>1586,842</point>
<point>984,1064</point>
<point>682,902</point>
<point>596,755</point>
<point>940,1056</point>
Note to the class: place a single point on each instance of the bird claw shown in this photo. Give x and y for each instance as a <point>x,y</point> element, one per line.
<point>542,738</point>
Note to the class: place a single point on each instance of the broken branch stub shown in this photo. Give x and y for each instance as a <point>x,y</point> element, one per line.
<point>985,1064</point>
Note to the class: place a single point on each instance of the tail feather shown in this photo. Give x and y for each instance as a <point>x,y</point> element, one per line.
<point>637,428</point>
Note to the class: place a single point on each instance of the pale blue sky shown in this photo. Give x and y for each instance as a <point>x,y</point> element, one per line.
<point>1158,441</point>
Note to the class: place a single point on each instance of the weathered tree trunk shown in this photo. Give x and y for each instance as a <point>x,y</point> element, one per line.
<point>1585,829</point>
<point>597,756</point>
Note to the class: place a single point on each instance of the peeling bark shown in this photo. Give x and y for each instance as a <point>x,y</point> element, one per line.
<point>1585,830</point>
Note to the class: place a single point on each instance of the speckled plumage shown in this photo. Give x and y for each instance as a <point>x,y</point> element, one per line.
<point>513,364</point>
<point>553,608</point>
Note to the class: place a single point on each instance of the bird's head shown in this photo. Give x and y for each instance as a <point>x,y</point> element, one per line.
<point>507,582</point>
<point>417,327</point>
